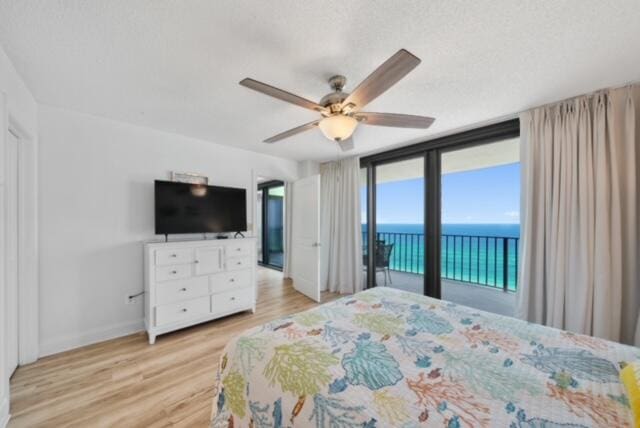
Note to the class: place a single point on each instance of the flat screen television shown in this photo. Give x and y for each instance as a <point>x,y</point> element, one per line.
<point>196,208</point>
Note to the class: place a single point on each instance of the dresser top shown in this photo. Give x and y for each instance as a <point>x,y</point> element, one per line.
<point>196,242</point>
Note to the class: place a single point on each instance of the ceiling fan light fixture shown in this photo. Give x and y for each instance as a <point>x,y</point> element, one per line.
<point>338,127</point>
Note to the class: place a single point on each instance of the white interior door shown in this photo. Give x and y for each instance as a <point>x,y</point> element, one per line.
<point>11,251</point>
<point>305,237</point>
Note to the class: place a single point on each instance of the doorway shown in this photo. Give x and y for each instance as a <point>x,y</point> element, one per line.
<point>11,250</point>
<point>270,223</point>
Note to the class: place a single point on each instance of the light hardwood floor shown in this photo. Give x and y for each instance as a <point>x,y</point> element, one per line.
<point>126,382</point>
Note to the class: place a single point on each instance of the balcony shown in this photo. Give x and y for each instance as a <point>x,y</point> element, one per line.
<point>479,297</point>
<point>476,271</point>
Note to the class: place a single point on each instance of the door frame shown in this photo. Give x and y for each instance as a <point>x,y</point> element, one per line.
<point>28,272</point>
<point>271,176</point>
<point>264,187</point>
<point>12,300</point>
<point>431,151</point>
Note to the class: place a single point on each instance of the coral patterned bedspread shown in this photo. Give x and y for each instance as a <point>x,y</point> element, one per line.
<point>388,358</point>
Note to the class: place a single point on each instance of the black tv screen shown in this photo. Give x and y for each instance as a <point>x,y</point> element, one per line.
<point>196,208</point>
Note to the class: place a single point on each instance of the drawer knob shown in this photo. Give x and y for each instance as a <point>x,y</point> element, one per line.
<point>174,272</point>
<point>232,280</point>
<point>174,255</point>
<point>233,298</point>
<point>184,309</point>
<point>238,249</point>
<point>196,261</point>
<point>183,289</point>
<point>238,263</point>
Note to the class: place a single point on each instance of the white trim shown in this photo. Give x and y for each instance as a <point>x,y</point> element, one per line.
<point>4,377</point>
<point>28,275</point>
<point>4,412</point>
<point>66,343</point>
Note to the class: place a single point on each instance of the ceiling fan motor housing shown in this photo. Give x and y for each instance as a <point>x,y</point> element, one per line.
<point>333,100</point>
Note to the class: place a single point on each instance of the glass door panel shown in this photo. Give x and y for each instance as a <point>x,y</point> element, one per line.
<point>364,221</point>
<point>399,230</point>
<point>480,225</point>
<point>275,223</point>
<point>260,198</point>
<point>270,218</point>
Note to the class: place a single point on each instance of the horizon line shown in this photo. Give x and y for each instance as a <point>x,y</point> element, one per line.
<point>455,222</point>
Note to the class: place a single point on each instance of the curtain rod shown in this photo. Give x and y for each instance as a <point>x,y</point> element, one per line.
<point>586,94</point>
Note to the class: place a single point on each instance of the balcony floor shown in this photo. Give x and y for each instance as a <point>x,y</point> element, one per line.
<point>475,296</point>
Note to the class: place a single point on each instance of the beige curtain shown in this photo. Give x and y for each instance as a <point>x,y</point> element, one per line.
<point>340,229</point>
<point>580,178</point>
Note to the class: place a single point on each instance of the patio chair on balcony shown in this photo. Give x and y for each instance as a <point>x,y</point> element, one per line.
<point>379,242</point>
<point>383,257</point>
<point>382,261</point>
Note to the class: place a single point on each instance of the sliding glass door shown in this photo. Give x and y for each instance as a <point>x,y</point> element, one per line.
<point>364,220</point>
<point>399,224</point>
<point>419,205</point>
<point>271,224</point>
<point>481,225</point>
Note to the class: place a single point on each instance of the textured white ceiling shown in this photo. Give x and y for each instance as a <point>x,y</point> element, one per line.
<point>174,65</point>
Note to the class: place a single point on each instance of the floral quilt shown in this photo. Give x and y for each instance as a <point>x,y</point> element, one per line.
<point>389,358</point>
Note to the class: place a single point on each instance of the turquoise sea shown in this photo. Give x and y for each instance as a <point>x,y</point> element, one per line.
<point>470,252</point>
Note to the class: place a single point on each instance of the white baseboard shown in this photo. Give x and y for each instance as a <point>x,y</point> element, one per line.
<point>4,412</point>
<point>66,343</point>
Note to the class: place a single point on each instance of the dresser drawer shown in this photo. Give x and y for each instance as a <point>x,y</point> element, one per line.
<point>239,249</point>
<point>182,311</point>
<point>239,263</point>
<point>230,281</point>
<point>166,273</point>
<point>176,256</point>
<point>181,289</point>
<point>230,301</point>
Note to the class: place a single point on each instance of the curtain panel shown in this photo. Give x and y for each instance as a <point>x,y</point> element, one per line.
<point>580,177</point>
<point>340,229</point>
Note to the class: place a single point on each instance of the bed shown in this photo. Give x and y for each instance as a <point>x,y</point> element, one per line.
<point>389,358</point>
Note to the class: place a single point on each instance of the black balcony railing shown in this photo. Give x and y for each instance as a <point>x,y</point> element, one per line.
<point>484,260</point>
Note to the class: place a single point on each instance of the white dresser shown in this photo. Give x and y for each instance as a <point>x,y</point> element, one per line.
<point>190,282</point>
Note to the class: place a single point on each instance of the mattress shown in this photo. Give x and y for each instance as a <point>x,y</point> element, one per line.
<point>389,358</point>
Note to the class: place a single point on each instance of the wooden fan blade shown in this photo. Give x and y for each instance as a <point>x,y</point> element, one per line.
<point>272,91</point>
<point>394,120</point>
<point>291,132</point>
<point>384,77</point>
<point>346,145</point>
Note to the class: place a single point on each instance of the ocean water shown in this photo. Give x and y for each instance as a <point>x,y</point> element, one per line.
<point>477,253</point>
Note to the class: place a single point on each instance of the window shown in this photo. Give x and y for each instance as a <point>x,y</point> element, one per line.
<point>409,200</point>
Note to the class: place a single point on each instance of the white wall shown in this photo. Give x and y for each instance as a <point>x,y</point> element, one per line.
<point>96,206</point>
<point>17,106</point>
<point>308,168</point>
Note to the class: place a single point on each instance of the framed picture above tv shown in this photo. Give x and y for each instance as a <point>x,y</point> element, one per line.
<point>189,177</point>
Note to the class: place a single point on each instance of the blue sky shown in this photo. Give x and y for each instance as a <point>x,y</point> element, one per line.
<point>489,195</point>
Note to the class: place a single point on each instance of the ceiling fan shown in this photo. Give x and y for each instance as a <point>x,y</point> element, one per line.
<point>341,112</point>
